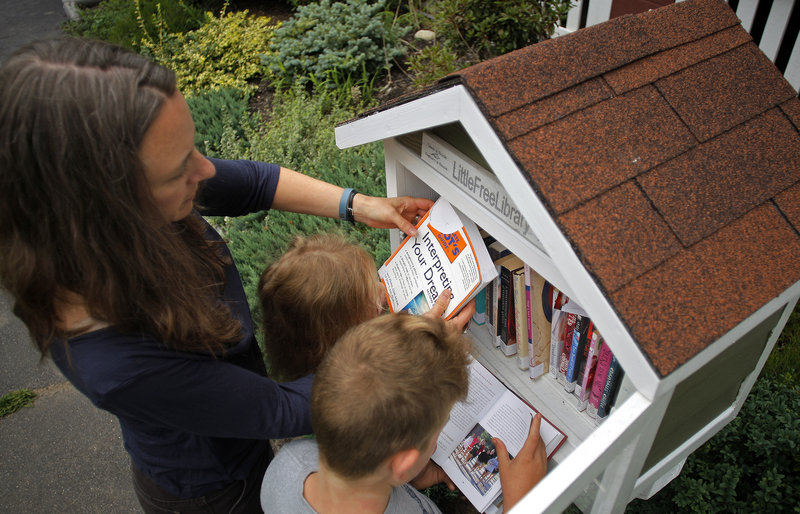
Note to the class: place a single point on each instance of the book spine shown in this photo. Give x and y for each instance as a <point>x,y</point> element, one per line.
<point>578,340</point>
<point>522,318</point>
<point>583,355</point>
<point>491,319</point>
<point>610,388</point>
<point>584,385</point>
<point>508,331</point>
<point>600,374</point>
<point>556,340</point>
<point>566,348</point>
<point>479,318</point>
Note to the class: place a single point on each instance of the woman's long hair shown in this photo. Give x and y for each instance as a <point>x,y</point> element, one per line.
<point>77,219</point>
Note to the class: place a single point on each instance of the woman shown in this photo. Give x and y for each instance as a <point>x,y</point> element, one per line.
<point>122,282</point>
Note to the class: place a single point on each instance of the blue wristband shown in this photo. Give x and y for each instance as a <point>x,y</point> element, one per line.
<point>346,205</point>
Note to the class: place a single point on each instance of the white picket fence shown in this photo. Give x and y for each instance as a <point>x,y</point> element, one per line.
<point>774,25</point>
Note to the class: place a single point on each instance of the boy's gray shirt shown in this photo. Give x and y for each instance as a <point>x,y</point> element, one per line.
<point>282,488</point>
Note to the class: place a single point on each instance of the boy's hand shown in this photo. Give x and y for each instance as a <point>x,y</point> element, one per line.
<point>458,322</point>
<point>518,476</point>
<point>431,475</point>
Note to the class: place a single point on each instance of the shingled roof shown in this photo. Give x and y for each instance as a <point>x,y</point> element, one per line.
<point>666,147</point>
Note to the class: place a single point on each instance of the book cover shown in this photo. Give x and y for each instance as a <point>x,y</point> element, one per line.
<point>600,374</point>
<point>490,410</point>
<point>446,253</point>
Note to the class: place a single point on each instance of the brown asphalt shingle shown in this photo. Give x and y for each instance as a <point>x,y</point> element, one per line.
<point>666,147</point>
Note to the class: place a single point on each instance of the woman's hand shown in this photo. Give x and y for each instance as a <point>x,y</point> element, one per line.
<point>518,476</point>
<point>401,212</point>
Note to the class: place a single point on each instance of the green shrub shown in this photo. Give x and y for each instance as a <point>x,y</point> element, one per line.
<point>116,21</point>
<point>432,63</point>
<point>494,27</point>
<point>335,42</point>
<point>299,135</point>
<point>751,465</point>
<point>784,361</point>
<point>218,115</point>
<point>225,52</point>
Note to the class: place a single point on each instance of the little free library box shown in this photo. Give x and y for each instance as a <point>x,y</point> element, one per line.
<point>648,168</point>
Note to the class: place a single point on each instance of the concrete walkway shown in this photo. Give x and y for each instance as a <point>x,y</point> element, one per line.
<point>63,455</point>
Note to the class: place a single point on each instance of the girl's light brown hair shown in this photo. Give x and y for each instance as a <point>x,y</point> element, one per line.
<point>78,218</point>
<point>322,286</point>
<point>388,385</point>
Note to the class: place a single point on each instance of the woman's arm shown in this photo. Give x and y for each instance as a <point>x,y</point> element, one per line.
<point>297,192</point>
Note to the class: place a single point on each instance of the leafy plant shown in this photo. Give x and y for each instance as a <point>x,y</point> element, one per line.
<point>299,135</point>
<point>15,400</point>
<point>494,27</point>
<point>225,52</point>
<point>432,63</point>
<point>218,116</point>
<point>117,21</point>
<point>751,465</point>
<point>333,42</point>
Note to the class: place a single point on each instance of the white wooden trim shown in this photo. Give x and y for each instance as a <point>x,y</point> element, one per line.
<point>775,27</point>
<point>596,453</point>
<point>429,111</point>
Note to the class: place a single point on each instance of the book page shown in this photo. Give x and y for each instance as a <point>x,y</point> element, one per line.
<point>510,419</point>
<point>484,390</point>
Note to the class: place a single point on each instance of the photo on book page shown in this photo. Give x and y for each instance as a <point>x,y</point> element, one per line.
<point>476,459</point>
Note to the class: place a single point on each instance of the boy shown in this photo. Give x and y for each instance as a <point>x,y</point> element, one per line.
<point>378,403</point>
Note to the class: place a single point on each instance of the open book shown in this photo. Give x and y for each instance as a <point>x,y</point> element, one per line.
<point>464,448</point>
<point>447,253</point>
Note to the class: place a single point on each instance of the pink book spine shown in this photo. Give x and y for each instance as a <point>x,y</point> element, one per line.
<point>600,374</point>
<point>563,364</point>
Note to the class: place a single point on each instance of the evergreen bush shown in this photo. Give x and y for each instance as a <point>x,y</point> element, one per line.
<point>494,27</point>
<point>336,42</point>
<point>218,116</point>
<point>225,52</point>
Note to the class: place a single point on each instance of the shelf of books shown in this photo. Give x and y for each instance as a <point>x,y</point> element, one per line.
<point>530,330</point>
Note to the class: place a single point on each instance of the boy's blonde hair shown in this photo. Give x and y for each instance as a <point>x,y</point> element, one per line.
<point>319,288</point>
<point>388,385</point>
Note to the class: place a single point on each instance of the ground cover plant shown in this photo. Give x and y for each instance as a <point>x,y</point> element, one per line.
<point>750,466</point>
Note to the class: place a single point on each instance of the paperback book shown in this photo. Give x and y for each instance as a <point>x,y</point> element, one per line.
<point>447,253</point>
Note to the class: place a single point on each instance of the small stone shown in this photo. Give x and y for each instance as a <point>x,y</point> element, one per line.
<point>425,35</point>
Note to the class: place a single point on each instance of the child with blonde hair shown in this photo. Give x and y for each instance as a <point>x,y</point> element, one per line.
<point>378,402</point>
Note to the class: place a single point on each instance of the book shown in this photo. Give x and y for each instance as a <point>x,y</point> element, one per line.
<point>539,293</point>
<point>586,374</point>
<point>521,317</point>
<point>600,374</point>
<point>506,315</point>
<point>577,353</point>
<point>447,253</point>
<point>610,388</point>
<point>566,347</point>
<point>479,318</point>
<point>490,410</point>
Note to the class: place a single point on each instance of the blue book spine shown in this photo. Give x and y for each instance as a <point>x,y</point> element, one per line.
<point>580,323</point>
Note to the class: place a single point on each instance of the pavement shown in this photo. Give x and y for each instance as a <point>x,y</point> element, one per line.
<point>62,455</point>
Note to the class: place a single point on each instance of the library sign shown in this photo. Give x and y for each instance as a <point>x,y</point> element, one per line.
<point>477,182</point>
